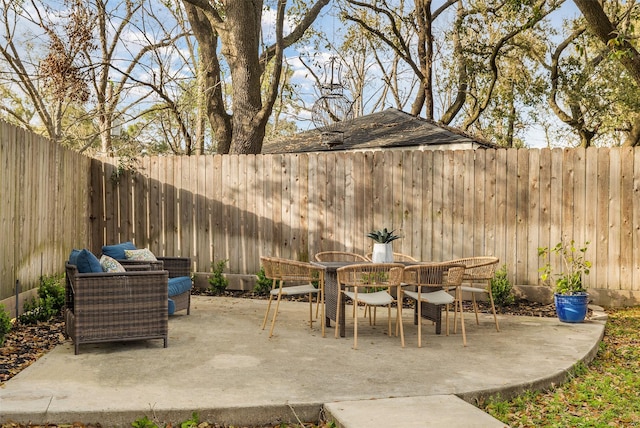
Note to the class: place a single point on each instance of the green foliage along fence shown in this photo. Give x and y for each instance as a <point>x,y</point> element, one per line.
<point>444,204</point>
<point>44,206</point>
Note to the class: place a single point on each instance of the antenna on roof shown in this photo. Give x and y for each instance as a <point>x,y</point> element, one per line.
<point>332,107</point>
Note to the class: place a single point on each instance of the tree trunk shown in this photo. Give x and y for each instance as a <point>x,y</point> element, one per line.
<point>207,38</point>
<point>601,26</point>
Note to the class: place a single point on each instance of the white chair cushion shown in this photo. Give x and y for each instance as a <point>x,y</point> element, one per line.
<point>473,289</point>
<point>295,289</point>
<point>439,297</point>
<point>378,298</point>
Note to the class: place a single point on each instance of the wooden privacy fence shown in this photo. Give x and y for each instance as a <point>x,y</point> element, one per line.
<point>44,201</point>
<point>444,204</point>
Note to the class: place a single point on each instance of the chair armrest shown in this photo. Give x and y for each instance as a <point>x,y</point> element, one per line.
<point>177,266</point>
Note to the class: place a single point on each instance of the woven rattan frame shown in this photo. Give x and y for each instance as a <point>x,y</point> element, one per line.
<point>340,256</point>
<point>366,277</point>
<point>282,272</point>
<point>434,277</point>
<point>479,270</point>
<point>115,306</point>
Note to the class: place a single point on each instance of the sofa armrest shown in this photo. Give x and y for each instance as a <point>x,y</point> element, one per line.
<point>177,266</point>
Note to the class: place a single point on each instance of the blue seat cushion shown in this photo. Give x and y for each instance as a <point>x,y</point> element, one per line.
<point>179,285</point>
<point>116,251</point>
<point>172,307</point>
<point>86,262</point>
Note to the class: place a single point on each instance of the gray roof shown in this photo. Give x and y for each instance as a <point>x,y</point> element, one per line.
<point>389,129</point>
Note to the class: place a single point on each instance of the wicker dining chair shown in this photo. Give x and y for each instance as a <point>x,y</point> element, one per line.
<point>340,256</point>
<point>282,272</point>
<point>370,283</point>
<point>478,271</point>
<point>430,283</point>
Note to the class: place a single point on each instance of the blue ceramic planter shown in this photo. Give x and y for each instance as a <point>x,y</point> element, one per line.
<point>571,308</point>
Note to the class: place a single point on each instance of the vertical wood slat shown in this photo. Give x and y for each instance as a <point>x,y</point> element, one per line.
<point>626,216</point>
<point>534,208</point>
<point>601,244</point>
<point>522,241</point>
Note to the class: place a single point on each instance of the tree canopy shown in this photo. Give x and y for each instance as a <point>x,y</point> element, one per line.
<point>211,76</point>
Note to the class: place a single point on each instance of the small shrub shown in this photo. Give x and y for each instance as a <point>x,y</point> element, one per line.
<point>218,283</point>
<point>49,302</point>
<point>263,284</point>
<point>191,423</point>
<point>501,288</point>
<point>52,290</point>
<point>144,422</point>
<point>5,324</point>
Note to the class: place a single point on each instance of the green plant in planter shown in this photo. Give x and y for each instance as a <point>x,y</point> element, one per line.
<point>569,280</point>
<point>383,236</point>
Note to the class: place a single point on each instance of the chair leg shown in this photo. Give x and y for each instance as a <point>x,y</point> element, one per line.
<point>388,319</point>
<point>475,307</point>
<point>338,312</point>
<point>446,318</point>
<point>355,325</point>
<point>419,306</point>
<point>322,319</point>
<point>464,334</point>
<point>275,314</point>
<point>399,319</point>
<point>493,308</point>
<point>311,311</point>
<point>266,315</point>
<point>318,304</point>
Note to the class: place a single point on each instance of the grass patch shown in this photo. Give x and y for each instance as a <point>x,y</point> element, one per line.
<point>604,394</point>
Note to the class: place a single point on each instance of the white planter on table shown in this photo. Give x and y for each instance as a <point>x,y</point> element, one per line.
<point>382,253</point>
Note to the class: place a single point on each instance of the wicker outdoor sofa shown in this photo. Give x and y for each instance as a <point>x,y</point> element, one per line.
<point>116,306</point>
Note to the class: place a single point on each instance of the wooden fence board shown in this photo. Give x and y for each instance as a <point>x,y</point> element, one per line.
<point>591,209</point>
<point>511,207</point>
<point>615,175</point>
<point>602,219</point>
<point>532,229</point>
<point>479,190</point>
<point>626,218</point>
<point>523,243</point>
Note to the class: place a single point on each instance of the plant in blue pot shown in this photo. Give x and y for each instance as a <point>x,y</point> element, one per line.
<point>570,297</point>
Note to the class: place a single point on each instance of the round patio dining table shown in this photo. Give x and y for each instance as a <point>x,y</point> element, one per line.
<point>429,311</point>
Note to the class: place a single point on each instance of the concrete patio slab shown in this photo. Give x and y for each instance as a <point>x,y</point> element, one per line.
<point>220,364</point>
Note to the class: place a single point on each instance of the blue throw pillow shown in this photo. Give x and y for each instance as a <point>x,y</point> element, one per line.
<point>87,262</point>
<point>117,251</point>
<point>73,257</point>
